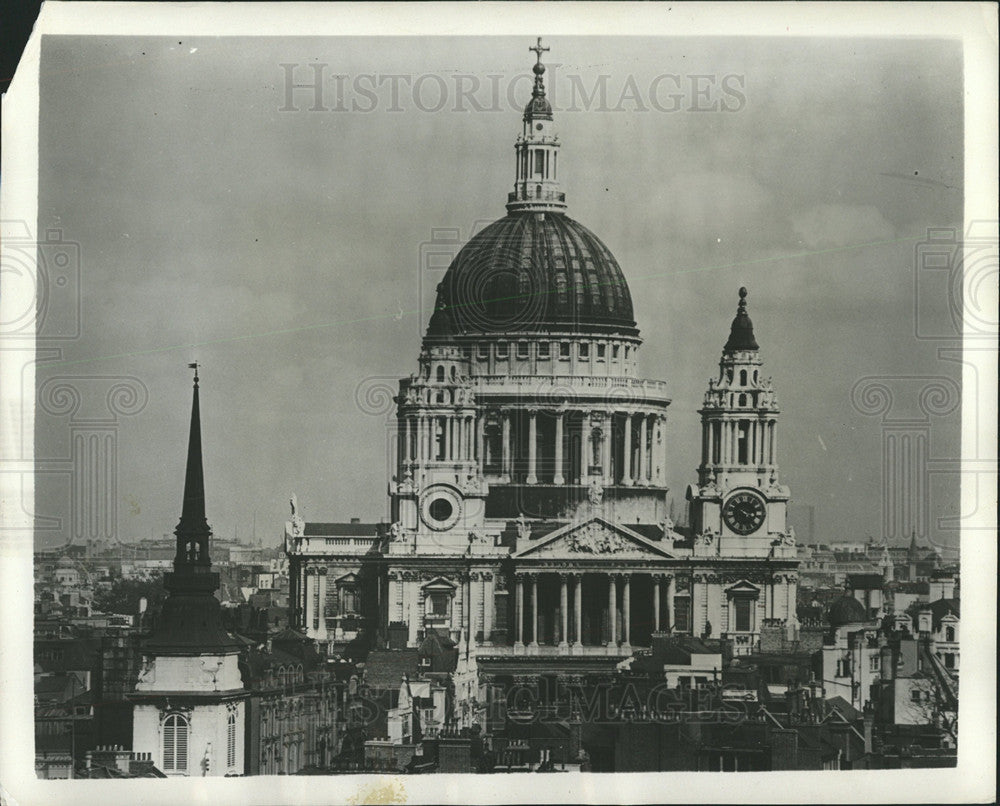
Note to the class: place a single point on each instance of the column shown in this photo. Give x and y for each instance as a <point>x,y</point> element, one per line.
<point>657,579</point>
<point>321,605</point>
<point>606,457</point>
<point>578,608</point>
<point>612,611</point>
<point>671,593</point>
<point>481,441</point>
<point>532,447</point>
<point>774,443</point>
<point>505,447</point>
<point>642,450</point>
<point>534,610</point>
<point>391,605</point>
<point>519,610</point>
<point>724,440</point>
<point>488,599</point>
<point>310,586</point>
<point>558,476</point>
<point>710,426</point>
<point>584,447</point>
<point>627,453</point>
<point>563,611</point>
<point>626,611</point>
<point>412,591</point>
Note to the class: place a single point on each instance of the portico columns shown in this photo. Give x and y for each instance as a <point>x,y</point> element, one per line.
<point>412,592</point>
<point>488,598</point>
<point>606,451</point>
<point>505,447</point>
<point>612,612</point>
<point>558,476</point>
<point>532,447</point>
<point>584,449</point>
<point>626,611</point>
<point>642,450</point>
<point>534,610</point>
<point>563,608</point>
<point>578,608</point>
<point>321,605</point>
<point>627,453</point>
<point>310,585</point>
<point>656,602</point>
<point>519,608</point>
<point>671,592</point>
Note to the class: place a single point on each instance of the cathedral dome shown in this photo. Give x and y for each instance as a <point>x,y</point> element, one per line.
<point>533,272</point>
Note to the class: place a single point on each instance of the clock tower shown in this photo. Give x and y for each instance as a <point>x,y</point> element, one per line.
<point>739,506</point>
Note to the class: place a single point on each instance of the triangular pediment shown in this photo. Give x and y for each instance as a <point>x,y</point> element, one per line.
<point>743,587</point>
<point>439,584</point>
<point>594,539</point>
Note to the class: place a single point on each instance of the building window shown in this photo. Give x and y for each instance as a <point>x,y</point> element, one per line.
<point>742,606</point>
<point>564,349</point>
<point>522,349</point>
<point>440,374</point>
<point>175,741</point>
<point>584,351</point>
<point>601,350</point>
<point>483,351</point>
<point>543,350</point>
<point>874,663</point>
<point>501,349</point>
<point>949,634</point>
<point>614,351</point>
<point>539,161</point>
<point>231,740</point>
<point>743,377</point>
<point>439,604</point>
<point>949,660</point>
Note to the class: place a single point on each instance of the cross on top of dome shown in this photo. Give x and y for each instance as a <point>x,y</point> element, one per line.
<point>538,106</point>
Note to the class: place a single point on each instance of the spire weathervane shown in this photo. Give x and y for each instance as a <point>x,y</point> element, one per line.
<point>194,365</point>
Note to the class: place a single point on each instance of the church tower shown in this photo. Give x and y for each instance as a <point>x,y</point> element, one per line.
<point>738,496</point>
<point>189,701</point>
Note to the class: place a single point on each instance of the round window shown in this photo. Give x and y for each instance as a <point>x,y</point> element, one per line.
<point>441,509</point>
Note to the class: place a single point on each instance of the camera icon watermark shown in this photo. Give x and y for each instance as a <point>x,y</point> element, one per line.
<point>961,270</point>
<point>43,275</point>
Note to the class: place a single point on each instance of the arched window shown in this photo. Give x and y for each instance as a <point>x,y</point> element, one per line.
<point>949,634</point>
<point>175,743</point>
<point>743,377</point>
<point>231,740</point>
<point>440,374</point>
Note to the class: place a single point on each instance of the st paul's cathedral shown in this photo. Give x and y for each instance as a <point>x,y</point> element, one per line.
<point>529,522</point>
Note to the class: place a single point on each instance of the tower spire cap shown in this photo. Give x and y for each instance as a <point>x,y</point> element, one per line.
<point>741,335</point>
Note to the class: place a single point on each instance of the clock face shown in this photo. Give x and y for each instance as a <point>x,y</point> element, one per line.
<point>440,508</point>
<point>744,513</point>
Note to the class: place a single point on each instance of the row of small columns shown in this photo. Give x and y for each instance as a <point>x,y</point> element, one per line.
<point>418,435</point>
<point>577,577</point>
<point>763,438</point>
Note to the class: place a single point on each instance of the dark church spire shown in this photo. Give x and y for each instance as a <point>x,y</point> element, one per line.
<point>191,621</point>
<point>193,531</point>
<point>741,333</point>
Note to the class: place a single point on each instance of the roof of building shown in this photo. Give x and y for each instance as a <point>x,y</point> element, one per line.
<point>341,529</point>
<point>846,610</point>
<point>860,582</point>
<point>944,607</point>
<point>533,272</point>
<point>385,668</point>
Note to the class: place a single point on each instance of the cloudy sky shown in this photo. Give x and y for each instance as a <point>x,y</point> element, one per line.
<point>282,243</point>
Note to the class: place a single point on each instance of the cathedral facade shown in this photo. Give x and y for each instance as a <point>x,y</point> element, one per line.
<point>529,518</point>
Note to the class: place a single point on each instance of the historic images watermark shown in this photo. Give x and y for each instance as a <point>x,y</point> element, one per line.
<point>955,271</point>
<point>317,87</point>
<point>49,272</point>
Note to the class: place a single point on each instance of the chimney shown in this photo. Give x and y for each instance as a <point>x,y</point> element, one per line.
<point>869,720</point>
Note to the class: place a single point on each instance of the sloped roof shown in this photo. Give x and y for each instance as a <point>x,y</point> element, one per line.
<point>385,668</point>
